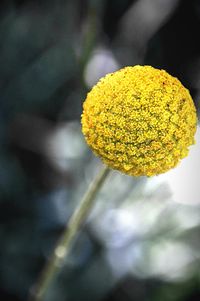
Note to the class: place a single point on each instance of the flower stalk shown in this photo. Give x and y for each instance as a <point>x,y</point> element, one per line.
<point>63,246</point>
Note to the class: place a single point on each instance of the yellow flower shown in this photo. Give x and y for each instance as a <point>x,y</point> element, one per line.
<point>139,120</point>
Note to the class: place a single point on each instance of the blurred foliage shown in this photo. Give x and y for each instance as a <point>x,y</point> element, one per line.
<point>45,167</point>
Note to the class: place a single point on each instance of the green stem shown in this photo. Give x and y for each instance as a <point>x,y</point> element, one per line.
<point>63,246</point>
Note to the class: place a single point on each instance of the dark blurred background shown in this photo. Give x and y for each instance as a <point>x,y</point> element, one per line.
<point>142,240</point>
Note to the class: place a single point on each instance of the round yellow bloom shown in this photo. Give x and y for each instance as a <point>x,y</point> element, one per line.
<point>139,120</point>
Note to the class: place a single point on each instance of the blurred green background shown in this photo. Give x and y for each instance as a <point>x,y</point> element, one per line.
<point>142,240</point>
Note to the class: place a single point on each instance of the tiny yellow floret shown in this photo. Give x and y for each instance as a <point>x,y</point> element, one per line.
<point>139,120</point>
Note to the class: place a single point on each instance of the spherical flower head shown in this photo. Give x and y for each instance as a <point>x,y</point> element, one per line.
<point>139,120</point>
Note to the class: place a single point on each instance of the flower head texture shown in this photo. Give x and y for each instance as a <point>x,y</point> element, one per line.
<point>139,120</point>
